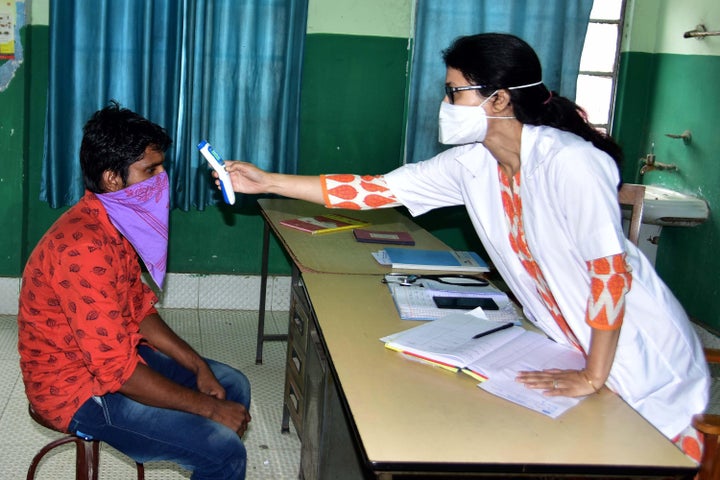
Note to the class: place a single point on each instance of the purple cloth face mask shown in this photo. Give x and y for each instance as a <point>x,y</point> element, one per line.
<point>141,212</point>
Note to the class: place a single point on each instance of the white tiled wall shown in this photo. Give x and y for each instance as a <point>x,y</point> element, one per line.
<point>223,292</point>
<point>9,290</point>
<point>227,292</point>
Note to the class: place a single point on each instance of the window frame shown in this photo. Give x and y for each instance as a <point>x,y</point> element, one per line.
<point>612,75</point>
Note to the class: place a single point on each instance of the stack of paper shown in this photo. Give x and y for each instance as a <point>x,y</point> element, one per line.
<point>456,342</point>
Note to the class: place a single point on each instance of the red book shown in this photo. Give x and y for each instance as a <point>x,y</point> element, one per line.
<point>327,223</point>
<point>375,236</point>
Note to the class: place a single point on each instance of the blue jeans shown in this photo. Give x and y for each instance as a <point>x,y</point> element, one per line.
<point>207,448</point>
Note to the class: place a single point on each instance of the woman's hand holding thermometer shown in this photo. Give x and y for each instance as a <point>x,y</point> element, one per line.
<point>217,163</point>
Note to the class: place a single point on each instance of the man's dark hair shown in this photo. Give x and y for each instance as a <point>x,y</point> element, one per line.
<point>113,139</point>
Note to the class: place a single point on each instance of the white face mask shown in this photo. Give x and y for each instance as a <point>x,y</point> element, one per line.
<point>462,124</point>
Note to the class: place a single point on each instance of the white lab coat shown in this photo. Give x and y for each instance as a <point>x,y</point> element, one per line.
<point>571,215</point>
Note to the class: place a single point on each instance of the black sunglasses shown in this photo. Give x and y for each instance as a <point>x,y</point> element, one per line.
<point>450,91</point>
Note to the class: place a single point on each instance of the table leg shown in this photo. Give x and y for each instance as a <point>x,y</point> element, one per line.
<point>263,293</point>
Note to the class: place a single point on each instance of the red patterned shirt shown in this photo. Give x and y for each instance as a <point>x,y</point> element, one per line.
<point>81,302</point>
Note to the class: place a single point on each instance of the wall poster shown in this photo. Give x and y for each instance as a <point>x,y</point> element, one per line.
<point>7,29</point>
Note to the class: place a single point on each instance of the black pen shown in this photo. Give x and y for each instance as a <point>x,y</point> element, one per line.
<point>493,330</point>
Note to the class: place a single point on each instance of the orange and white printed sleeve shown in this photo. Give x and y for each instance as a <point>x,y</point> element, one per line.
<point>610,280</point>
<point>355,192</point>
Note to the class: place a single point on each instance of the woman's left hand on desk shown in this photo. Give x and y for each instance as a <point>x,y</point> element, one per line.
<point>554,382</point>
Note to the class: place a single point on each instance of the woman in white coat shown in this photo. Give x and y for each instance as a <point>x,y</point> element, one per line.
<point>540,186</point>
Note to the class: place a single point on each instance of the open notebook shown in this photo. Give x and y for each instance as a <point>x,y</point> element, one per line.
<point>456,342</point>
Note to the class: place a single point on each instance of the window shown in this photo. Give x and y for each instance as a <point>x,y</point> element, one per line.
<point>599,62</point>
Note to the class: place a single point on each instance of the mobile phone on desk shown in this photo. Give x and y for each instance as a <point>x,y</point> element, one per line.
<point>466,303</point>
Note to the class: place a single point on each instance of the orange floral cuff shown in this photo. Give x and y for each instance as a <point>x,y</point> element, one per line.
<point>355,192</point>
<point>610,280</point>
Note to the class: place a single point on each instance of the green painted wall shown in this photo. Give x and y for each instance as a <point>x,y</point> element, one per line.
<point>668,84</point>
<point>353,96</point>
<point>12,125</point>
<point>669,93</point>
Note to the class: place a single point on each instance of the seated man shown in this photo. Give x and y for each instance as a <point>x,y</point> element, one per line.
<point>96,358</point>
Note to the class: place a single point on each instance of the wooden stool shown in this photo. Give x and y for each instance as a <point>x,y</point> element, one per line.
<point>87,453</point>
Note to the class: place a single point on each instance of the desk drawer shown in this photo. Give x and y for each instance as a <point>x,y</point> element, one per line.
<point>300,317</point>
<point>298,334</point>
<point>295,363</point>
<point>298,291</point>
<point>294,402</point>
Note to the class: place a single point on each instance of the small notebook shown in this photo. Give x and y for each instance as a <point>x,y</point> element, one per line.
<point>376,236</point>
<point>320,224</point>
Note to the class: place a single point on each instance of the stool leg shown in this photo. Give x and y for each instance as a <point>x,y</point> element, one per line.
<point>95,459</point>
<point>141,471</point>
<point>36,459</point>
<point>86,459</point>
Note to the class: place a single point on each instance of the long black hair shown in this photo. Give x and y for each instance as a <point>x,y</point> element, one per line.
<point>497,61</point>
<point>113,139</point>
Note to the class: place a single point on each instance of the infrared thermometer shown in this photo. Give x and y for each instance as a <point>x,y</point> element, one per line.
<point>217,163</point>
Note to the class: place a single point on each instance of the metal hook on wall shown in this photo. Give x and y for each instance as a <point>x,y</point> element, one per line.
<point>686,136</point>
<point>700,33</point>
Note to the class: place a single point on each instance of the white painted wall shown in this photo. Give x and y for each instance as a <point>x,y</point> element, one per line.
<point>39,12</point>
<point>657,26</point>
<point>383,18</point>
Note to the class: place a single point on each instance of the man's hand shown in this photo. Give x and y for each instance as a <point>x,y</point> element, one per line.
<point>149,387</point>
<point>232,415</point>
<point>208,384</point>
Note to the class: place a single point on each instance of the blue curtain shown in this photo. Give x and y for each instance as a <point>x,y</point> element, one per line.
<point>225,71</point>
<point>554,28</point>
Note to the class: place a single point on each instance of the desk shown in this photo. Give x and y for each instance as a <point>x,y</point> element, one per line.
<point>410,417</point>
<point>363,411</point>
<point>327,253</point>
<point>330,253</point>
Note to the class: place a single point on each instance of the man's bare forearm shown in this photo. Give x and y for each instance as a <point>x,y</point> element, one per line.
<point>154,329</point>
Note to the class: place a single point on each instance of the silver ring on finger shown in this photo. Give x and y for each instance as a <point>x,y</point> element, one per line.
<point>555,383</point>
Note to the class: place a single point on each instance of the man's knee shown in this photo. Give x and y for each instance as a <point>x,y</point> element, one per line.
<point>236,384</point>
<point>229,461</point>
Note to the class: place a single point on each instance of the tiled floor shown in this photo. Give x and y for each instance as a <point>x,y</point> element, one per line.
<point>224,335</point>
